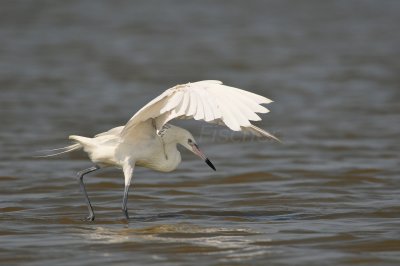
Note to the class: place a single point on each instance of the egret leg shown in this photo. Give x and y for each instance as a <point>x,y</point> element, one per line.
<point>125,202</point>
<point>128,172</point>
<point>82,186</point>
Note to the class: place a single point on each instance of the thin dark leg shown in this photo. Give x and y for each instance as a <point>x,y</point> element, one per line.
<point>82,186</point>
<point>125,202</point>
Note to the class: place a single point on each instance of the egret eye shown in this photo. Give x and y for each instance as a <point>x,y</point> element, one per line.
<point>190,141</point>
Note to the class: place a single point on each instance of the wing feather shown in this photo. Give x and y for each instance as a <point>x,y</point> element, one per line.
<point>207,100</point>
<point>174,100</point>
<point>255,97</point>
<point>200,106</point>
<point>181,109</point>
<point>208,108</point>
<point>259,132</point>
<point>214,106</point>
<point>193,104</point>
<point>245,109</point>
<point>231,116</point>
<point>249,100</point>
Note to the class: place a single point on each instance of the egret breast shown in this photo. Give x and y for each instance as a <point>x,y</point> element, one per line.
<point>161,163</point>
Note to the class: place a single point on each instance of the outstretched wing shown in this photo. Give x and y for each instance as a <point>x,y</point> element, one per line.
<point>207,100</point>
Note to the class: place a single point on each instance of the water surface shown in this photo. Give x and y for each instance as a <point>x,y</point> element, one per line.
<point>329,195</point>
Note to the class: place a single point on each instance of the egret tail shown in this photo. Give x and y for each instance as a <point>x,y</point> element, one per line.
<point>55,152</point>
<point>79,144</point>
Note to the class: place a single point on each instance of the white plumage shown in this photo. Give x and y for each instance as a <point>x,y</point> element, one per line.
<point>207,100</point>
<point>148,140</point>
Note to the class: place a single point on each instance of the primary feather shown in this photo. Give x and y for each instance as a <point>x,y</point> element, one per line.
<point>208,100</point>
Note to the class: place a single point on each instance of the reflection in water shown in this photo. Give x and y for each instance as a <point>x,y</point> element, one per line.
<point>233,244</point>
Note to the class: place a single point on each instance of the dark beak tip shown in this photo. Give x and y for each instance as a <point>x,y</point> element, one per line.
<point>210,164</point>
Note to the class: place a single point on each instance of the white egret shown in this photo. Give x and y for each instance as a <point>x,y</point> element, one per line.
<point>147,139</point>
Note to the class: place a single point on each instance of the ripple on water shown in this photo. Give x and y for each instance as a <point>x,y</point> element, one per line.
<point>329,194</point>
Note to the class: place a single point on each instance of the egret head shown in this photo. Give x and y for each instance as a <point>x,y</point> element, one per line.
<point>186,140</point>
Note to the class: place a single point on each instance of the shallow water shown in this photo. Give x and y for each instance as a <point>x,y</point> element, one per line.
<point>328,195</point>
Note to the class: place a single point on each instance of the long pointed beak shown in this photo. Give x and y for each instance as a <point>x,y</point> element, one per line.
<point>199,153</point>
